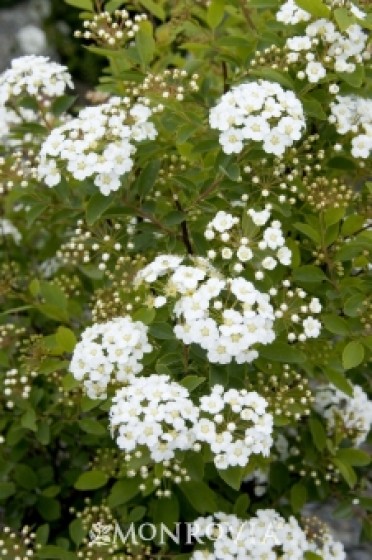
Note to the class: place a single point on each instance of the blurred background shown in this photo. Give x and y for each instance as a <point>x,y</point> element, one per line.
<point>45,27</point>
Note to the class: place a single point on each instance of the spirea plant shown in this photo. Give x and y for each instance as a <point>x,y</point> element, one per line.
<point>186,333</point>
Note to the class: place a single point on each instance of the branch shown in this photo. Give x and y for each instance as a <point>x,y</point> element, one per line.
<point>185,231</point>
<point>247,14</point>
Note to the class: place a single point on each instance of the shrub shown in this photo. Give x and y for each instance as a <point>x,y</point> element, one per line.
<point>186,331</point>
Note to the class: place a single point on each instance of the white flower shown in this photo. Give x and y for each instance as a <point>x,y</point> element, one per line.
<point>354,412</point>
<point>315,306</point>
<point>7,228</point>
<point>156,413</point>
<point>231,141</point>
<point>302,43</point>
<point>273,237</point>
<point>259,218</point>
<point>265,536</point>
<point>244,253</point>
<point>109,352</point>
<point>284,256</point>
<point>315,71</point>
<point>251,111</point>
<point>269,263</point>
<point>361,146</point>
<point>290,14</point>
<point>160,301</point>
<point>98,143</point>
<point>247,431</point>
<point>222,222</point>
<point>312,327</point>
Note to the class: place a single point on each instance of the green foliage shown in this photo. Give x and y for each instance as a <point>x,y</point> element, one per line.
<point>61,470</point>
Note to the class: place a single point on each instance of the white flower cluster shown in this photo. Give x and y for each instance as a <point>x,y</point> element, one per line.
<point>338,52</point>
<point>235,425</point>
<point>225,331</point>
<point>156,413</point>
<point>99,143</point>
<point>109,352</point>
<point>263,250</point>
<point>259,111</point>
<point>34,76</point>
<point>7,228</point>
<point>290,14</point>
<point>225,316</point>
<point>267,535</point>
<point>353,114</point>
<point>354,413</point>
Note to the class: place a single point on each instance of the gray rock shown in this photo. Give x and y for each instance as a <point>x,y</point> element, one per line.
<point>12,20</point>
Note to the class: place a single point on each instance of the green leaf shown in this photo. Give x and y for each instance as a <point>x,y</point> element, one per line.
<point>282,352</point>
<point>145,43</point>
<point>97,205</point>
<point>154,8</point>
<point>343,18</point>
<point>353,355</point>
<point>354,79</point>
<point>166,510</point>
<point>113,5</point>
<point>309,273</point>
<point>53,295</point>
<point>66,339</point>
<point>200,496</point>
<point>316,8</point>
<point>333,216</point>
<point>51,552</point>
<point>91,426</point>
<point>147,177</point>
<point>312,556</point>
<point>274,76</point>
<point>335,324</point>
<point>174,218</point>
<point>318,433</point>
<point>339,380</point>
<point>353,305</point>
<point>122,492</point>
<point>91,480</point>
<point>191,382</point>
<point>232,476</point>
<point>6,489</point>
<point>28,420</point>
<point>309,232</point>
<point>215,13</point>
<point>354,457</point>
<point>231,171</point>
<point>145,315</point>
<point>352,224</point>
<point>62,104</point>
<point>241,505</point>
<point>313,108</point>
<point>25,477</point>
<point>341,162</point>
<point>346,471</point>
<point>49,508</point>
<point>162,331</point>
<point>298,496</point>
<point>82,4</point>
<point>77,532</point>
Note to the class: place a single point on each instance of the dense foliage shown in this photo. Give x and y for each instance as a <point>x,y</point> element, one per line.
<point>185,283</point>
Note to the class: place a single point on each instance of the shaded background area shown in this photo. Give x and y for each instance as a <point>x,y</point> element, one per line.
<point>45,27</point>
